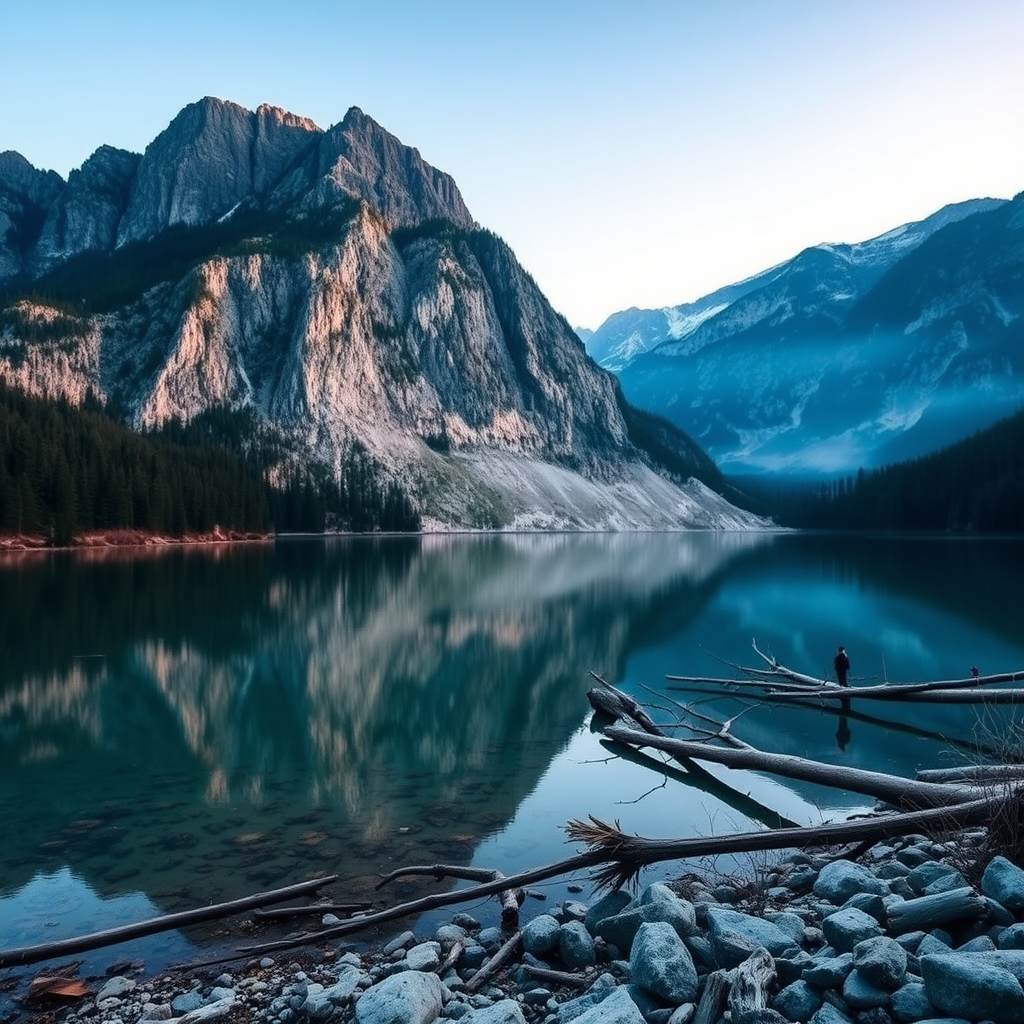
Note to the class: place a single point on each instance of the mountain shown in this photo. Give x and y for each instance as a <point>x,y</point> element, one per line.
<point>846,356</point>
<point>336,284</point>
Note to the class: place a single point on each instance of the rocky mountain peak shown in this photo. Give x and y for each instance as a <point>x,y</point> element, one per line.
<point>360,159</point>
<point>210,158</point>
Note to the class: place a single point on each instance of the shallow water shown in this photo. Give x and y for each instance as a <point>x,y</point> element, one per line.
<point>191,726</point>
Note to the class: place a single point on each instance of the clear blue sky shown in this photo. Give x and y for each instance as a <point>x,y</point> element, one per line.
<point>635,153</point>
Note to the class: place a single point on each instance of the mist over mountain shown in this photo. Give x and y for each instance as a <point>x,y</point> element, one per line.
<point>335,283</point>
<point>845,356</point>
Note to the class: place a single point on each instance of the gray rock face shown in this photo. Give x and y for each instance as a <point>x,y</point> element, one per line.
<point>25,196</point>
<point>210,158</point>
<point>406,998</point>
<point>660,963</point>
<point>358,158</point>
<point>87,213</point>
<point>402,328</point>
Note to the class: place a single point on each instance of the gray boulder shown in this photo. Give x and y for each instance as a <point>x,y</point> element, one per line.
<point>845,928</point>
<point>411,997</point>
<point>540,936</point>
<point>924,874</point>
<point>659,903</point>
<point>1011,937</point>
<point>575,946</point>
<point>608,906</point>
<point>797,1002</point>
<point>597,993</point>
<point>829,972</point>
<point>1003,881</point>
<point>424,957</point>
<point>828,1014</point>
<point>910,1003</point>
<point>617,1008</point>
<point>725,927</point>
<point>838,881</point>
<point>322,1005</point>
<point>972,986</point>
<point>882,961</point>
<point>661,963</point>
<point>861,994</point>
<point>505,1012</point>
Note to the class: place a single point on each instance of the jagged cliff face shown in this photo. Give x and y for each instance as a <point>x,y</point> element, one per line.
<point>347,295</point>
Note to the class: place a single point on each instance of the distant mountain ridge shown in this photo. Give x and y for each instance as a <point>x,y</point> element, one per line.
<point>846,355</point>
<point>335,283</point>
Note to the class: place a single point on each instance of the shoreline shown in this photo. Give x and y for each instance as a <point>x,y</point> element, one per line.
<point>910,930</point>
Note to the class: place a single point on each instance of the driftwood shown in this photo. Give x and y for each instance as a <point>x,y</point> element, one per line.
<point>927,912</point>
<point>749,989</point>
<point>559,977</point>
<point>712,1000</point>
<point>781,683</point>
<point>511,899</point>
<point>458,948</point>
<point>65,947</point>
<point>900,792</point>
<point>495,964</point>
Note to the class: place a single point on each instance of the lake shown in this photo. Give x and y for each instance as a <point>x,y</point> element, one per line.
<point>192,725</point>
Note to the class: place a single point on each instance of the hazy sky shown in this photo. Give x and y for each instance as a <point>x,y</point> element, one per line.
<point>632,153</point>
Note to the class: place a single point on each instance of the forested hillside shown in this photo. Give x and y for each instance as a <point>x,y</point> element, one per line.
<point>66,471</point>
<point>976,485</point>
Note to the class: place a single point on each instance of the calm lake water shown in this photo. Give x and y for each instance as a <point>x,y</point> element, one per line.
<point>191,726</point>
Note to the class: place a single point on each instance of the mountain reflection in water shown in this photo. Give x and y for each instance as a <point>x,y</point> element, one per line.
<point>197,725</point>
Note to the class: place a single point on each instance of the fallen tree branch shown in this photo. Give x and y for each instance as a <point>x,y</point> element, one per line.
<point>623,856</point>
<point>97,940</point>
<point>558,977</point>
<point>287,913</point>
<point>511,899</point>
<point>900,792</point>
<point>495,964</point>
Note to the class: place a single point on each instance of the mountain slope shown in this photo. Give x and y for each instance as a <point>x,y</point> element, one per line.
<point>336,284</point>
<point>849,355</point>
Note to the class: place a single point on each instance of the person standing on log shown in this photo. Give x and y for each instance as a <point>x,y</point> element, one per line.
<point>842,665</point>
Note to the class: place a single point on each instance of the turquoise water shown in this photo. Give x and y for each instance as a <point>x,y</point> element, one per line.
<point>191,726</point>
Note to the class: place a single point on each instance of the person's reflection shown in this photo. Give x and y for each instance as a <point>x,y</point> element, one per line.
<point>843,730</point>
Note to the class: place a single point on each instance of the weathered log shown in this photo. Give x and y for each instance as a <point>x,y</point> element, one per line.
<point>927,912</point>
<point>495,964</point>
<point>97,940</point>
<point>624,856</point>
<point>616,704</point>
<point>712,999</point>
<point>750,984</point>
<point>900,792</point>
<point>974,774</point>
<point>558,977</point>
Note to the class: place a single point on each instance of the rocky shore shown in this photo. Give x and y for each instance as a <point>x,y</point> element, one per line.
<point>897,936</point>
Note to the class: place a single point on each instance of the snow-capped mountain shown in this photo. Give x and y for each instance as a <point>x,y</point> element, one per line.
<point>336,283</point>
<point>846,355</point>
